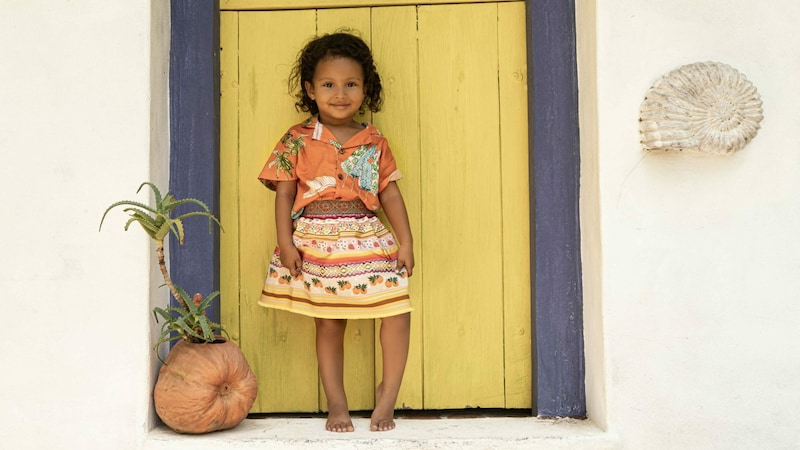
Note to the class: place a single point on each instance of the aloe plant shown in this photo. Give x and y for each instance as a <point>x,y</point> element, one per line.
<point>188,321</point>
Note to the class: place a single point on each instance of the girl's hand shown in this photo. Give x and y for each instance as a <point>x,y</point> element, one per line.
<point>290,258</point>
<point>405,259</point>
<point>395,209</point>
<point>284,198</point>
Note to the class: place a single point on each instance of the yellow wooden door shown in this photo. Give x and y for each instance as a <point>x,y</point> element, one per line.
<point>455,114</point>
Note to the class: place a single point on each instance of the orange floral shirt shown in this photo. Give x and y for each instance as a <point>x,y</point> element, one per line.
<point>328,170</point>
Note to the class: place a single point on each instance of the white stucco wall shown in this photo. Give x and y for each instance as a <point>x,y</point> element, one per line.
<point>693,274</point>
<point>83,107</point>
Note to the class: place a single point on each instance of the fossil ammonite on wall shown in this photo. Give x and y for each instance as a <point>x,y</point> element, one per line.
<point>706,107</point>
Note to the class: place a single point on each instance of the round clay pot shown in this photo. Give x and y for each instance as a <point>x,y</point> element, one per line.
<point>204,387</point>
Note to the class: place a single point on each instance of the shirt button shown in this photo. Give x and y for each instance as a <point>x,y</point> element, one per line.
<point>341,177</point>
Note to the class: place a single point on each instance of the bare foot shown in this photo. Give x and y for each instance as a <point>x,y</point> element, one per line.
<point>383,416</point>
<point>339,421</point>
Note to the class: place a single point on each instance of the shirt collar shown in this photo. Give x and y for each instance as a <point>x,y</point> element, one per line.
<point>361,138</point>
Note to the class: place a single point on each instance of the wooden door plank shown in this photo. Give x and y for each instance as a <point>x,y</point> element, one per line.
<point>359,350</point>
<point>394,46</point>
<point>279,344</point>
<point>516,229</point>
<point>353,20</point>
<point>264,5</point>
<point>462,273</point>
<point>229,172</point>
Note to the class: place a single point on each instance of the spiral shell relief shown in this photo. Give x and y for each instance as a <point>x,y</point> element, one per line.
<point>705,107</point>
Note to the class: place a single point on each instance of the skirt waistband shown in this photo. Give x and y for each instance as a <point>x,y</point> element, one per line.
<point>337,208</point>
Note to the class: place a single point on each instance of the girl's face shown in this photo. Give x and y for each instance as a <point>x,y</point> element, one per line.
<point>338,89</point>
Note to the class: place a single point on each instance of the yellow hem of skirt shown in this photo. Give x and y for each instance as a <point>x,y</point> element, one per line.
<point>338,314</point>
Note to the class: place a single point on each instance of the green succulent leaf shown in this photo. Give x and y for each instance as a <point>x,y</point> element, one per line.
<point>186,299</point>
<point>211,219</point>
<point>149,232</point>
<point>208,335</point>
<point>163,313</point>
<point>177,229</point>
<point>207,301</point>
<point>154,188</point>
<point>194,201</point>
<point>147,223</point>
<point>163,230</point>
<point>125,203</point>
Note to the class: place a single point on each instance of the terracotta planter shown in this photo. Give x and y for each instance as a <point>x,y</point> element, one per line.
<point>204,387</point>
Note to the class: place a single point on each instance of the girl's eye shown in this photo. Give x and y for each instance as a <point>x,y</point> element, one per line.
<point>327,84</point>
<point>352,84</point>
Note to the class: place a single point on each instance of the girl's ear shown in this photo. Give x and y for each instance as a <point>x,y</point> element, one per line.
<point>309,90</point>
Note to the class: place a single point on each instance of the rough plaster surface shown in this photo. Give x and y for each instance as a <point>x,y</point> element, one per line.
<point>699,259</point>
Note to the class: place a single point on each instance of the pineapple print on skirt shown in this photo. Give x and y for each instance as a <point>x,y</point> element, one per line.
<point>349,266</point>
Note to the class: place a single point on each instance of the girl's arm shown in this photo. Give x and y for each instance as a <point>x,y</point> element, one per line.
<point>395,209</point>
<point>284,199</point>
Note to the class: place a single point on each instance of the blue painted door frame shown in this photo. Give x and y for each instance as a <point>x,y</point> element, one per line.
<point>556,297</point>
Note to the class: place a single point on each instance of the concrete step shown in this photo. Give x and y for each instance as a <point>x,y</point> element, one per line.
<point>501,433</point>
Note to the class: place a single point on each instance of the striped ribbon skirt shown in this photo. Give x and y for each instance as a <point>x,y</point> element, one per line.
<point>348,269</point>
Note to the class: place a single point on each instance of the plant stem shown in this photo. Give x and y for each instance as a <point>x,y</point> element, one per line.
<point>162,264</point>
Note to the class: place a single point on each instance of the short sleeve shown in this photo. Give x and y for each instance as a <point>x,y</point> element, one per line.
<point>282,162</point>
<point>388,170</point>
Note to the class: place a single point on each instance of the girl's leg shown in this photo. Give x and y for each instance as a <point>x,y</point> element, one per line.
<point>395,333</point>
<point>330,357</point>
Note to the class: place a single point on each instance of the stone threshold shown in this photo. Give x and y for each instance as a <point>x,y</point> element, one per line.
<point>308,433</point>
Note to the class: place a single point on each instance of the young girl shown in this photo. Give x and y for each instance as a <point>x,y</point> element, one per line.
<point>335,260</point>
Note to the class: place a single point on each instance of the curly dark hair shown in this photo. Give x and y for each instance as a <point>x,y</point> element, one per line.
<point>336,45</point>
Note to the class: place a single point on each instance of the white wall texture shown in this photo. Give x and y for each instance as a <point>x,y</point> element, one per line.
<point>693,274</point>
<point>83,107</point>
<point>691,267</point>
